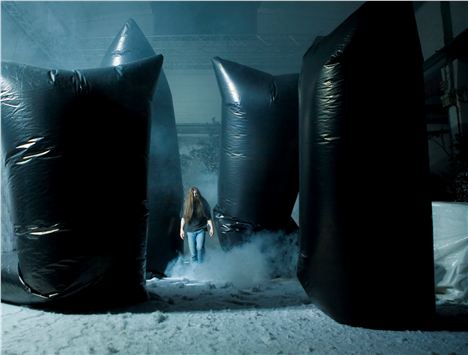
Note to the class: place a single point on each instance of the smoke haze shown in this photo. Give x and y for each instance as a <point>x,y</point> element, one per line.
<point>266,256</point>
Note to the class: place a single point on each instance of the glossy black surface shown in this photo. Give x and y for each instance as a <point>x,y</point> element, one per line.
<point>365,212</point>
<point>79,217</point>
<point>258,178</point>
<point>165,193</point>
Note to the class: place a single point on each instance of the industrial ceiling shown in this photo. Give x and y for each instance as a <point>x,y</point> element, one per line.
<point>271,36</point>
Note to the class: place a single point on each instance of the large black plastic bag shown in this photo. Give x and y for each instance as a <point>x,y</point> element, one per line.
<point>79,217</point>
<point>7,242</point>
<point>365,214</point>
<point>12,289</point>
<point>165,192</point>
<point>258,177</point>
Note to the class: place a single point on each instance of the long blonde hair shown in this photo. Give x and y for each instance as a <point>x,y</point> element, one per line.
<point>193,205</point>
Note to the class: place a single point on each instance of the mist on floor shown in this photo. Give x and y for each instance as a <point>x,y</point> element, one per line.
<point>266,256</point>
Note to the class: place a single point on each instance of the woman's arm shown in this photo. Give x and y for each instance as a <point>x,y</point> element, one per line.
<point>210,224</point>
<point>182,224</point>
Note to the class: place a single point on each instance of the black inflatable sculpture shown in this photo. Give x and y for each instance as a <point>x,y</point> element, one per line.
<point>365,215</point>
<point>79,218</point>
<point>258,178</point>
<point>165,192</point>
<point>7,227</point>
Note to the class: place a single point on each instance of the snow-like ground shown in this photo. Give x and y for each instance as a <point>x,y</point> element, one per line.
<point>188,317</point>
<point>228,305</point>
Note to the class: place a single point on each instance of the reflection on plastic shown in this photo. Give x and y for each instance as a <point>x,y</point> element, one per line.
<point>364,172</point>
<point>451,251</point>
<point>258,178</point>
<point>164,176</point>
<point>79,219</point>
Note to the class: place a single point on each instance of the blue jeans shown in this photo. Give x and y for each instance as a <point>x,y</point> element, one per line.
<point>196,243</point>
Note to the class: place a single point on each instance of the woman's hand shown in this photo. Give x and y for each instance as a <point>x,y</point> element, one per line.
<point>182,224</point>
<point>211,231</point>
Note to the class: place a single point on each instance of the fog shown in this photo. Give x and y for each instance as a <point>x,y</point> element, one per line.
<point>269,36</point>
<point>74,34</point>
<point>266,256</point>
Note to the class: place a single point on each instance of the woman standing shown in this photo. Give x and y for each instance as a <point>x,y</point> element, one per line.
<point>195,220</point>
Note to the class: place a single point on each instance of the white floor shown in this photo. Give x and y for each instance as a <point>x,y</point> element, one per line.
<point>193,317</point>
<point>228,305</point>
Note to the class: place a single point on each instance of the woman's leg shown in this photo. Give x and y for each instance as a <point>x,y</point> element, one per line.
<point>191,244</point>
<point>200,245</point>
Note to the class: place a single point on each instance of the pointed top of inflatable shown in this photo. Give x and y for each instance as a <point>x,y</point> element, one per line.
<point>221,65</point>
<point>234,78</point>
<point>129,45</point>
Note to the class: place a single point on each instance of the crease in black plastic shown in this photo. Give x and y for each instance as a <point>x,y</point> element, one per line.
<point>258,178</point>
